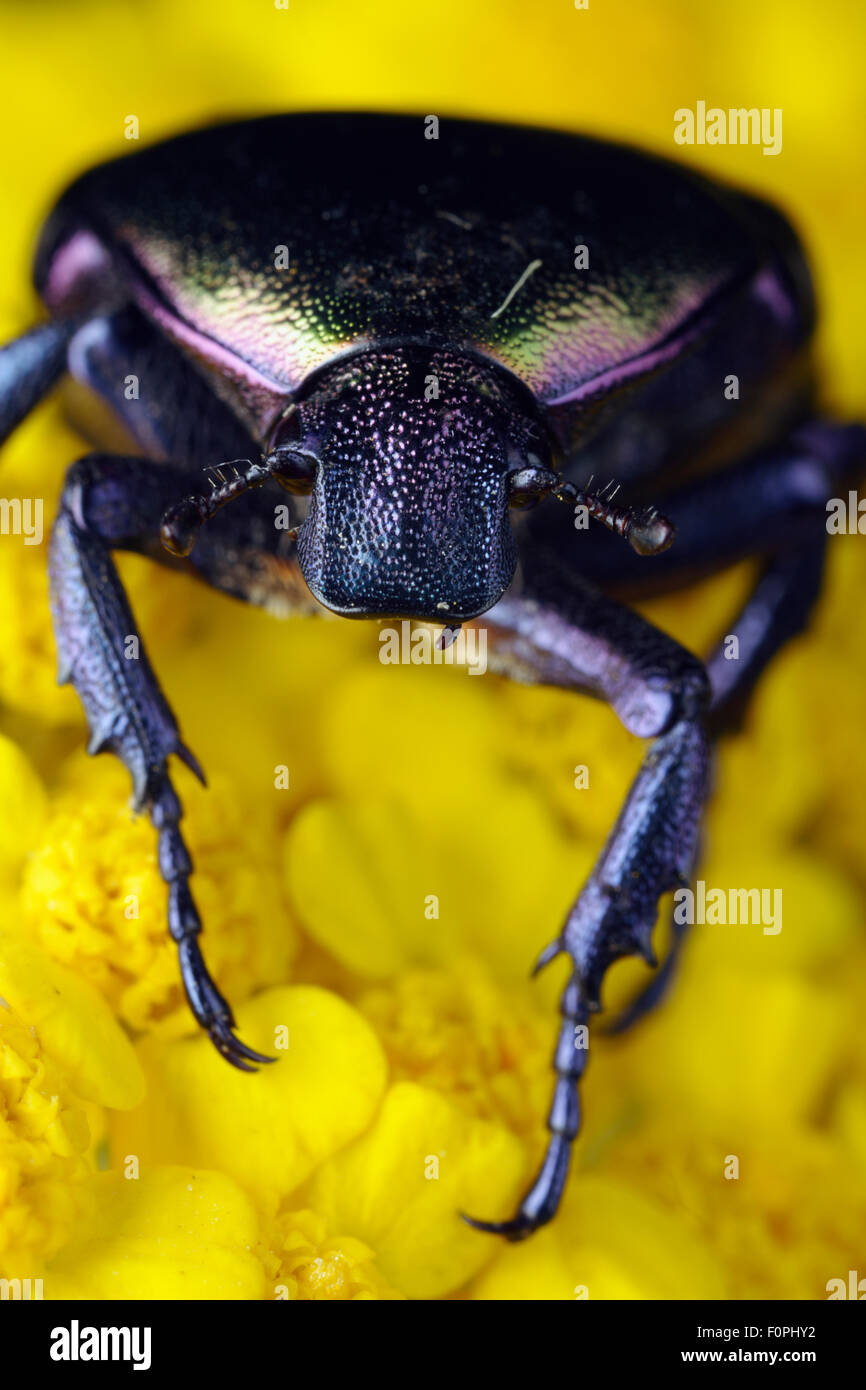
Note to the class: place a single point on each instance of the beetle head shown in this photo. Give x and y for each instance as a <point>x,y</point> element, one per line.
<point>408,455</point>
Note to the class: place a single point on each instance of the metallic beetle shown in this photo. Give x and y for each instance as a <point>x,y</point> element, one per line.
<point>418,340</point>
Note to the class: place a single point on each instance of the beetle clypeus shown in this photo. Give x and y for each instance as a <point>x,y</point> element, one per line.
<point>419,340</point>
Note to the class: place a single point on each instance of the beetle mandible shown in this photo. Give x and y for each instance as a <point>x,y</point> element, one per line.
<point>428,361</point>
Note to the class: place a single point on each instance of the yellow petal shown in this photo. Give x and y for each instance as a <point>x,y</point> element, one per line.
<point>817,912</point>
<point>428,735</point>
<point>97,901</point>
<point>303,1261</point>
<point>357,913</point>
<point>755,1050</point>
<point>76,1027</point>
<point>401,1189</point>
<point>172,1233</point>
<point>23,806</point>
<point>268,1130</point>
<point>43,1137</point>
<point>609,1242</point>
<point>407,894</point>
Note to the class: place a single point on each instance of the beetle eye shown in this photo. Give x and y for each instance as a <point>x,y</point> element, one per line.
<point>290,426</point>
<point>527,486</point>
<point>294,471</point>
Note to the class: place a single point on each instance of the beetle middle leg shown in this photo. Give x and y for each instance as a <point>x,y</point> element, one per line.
<point>29,367</point>
<point>111,503</point>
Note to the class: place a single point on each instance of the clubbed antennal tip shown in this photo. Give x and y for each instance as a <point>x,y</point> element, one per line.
<point>650,533</point>
<point>180,527</point>
<point>647,531</point>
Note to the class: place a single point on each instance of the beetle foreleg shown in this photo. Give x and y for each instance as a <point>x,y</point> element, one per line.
<point>128,715</point>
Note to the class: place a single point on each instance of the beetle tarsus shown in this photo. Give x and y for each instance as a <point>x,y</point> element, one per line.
<point>550,952</point>
<point>649,533</point>
<point>651,845</point>
<point>212,1011</point>
<point>540,1203</point>
<point>209,1008</point>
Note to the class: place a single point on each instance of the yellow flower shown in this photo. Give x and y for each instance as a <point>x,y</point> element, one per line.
<point>611,1241</point>
<point>61,1055</point>
<point>269,1131</point>
<point>43,1139</point>
<point>401,1186</point>
<point>97,902</point>
<point>397,1188</point>
<point>23,809</point>
<point>432,834</point>
<point>304,1262</point>
<point>751,1201</point>
<point>168,1233</point>
<point>419,839</point>
<point>183,1233</point>
<point>76,1029</point>
<point>455,1032</point>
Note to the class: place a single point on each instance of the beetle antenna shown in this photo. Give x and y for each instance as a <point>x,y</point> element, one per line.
<point>181,523</point>
<point>645,529</point>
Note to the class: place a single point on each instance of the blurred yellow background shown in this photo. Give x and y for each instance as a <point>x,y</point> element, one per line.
<point>759,1054</point>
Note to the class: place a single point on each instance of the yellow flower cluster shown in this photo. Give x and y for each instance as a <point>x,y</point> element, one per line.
<point>303,1262</point>
<point>381,852</point>
<point>94,894</point>
<point>413,1079</point>
<point>43,1137</point>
